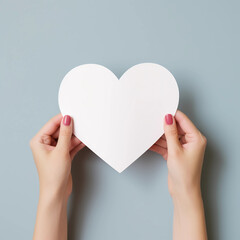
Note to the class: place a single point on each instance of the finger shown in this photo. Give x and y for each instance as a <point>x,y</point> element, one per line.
<point>74,142</point>
<point>56,134</point>
<point>183,140</point>
<point>46,140</point>
<point>159,150</point>
<point>171,133</point>
<point>163,137</point>
<point>179,134</point>
<point>51,126</point>
<point>185,124</point>
<point>161,142</point>
<point>65,134</point>
<point>76,150</point>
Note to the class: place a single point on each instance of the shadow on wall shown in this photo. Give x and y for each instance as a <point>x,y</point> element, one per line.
<point>212,172</point>
<point>83,188</point>
<point>212,166</point>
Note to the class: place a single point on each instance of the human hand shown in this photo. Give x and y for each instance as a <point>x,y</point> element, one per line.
<point>54,148</point>
<point>183,146</point>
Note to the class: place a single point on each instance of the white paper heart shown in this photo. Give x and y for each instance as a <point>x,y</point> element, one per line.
<point>118,119</point>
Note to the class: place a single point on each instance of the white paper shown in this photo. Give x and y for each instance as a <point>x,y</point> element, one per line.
<point>118,119</point>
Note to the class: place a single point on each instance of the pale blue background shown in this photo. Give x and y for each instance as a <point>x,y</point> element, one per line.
<point>198,41</point>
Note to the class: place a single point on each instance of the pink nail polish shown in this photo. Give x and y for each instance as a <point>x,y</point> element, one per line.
<point>169,119</point>
<point>66,120</point>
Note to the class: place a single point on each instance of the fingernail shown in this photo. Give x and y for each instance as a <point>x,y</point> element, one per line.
<point>169,119</point>
<point>66,120</point>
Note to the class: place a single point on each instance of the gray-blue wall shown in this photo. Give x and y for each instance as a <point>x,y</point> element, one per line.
<point>198,41</point>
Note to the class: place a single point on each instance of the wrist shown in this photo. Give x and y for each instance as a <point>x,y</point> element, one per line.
<point>50,197</point>
<point>52,205</point>
<point>182,190</point>
<point>51,216</point>
<point>187,199</point>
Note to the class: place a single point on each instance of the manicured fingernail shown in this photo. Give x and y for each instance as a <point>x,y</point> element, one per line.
<point>66,120</point>
<point>169,119</point>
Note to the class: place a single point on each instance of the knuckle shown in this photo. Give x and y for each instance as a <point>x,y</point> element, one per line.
<point>202,139</point>
<point>62,149</point>
<point>32,143</point>
<point>172,131</point>
<point>46,139</point>
<point>65,132</point>
<point>175,151</point>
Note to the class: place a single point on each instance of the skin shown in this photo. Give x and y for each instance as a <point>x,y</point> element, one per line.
<point>54,148</point>
<point>182,146</point>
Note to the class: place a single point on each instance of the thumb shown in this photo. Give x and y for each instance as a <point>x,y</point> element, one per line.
<point>65,134</point>
<point>171,134</point>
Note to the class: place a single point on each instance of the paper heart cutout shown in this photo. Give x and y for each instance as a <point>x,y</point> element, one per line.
<point>118,119</point>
